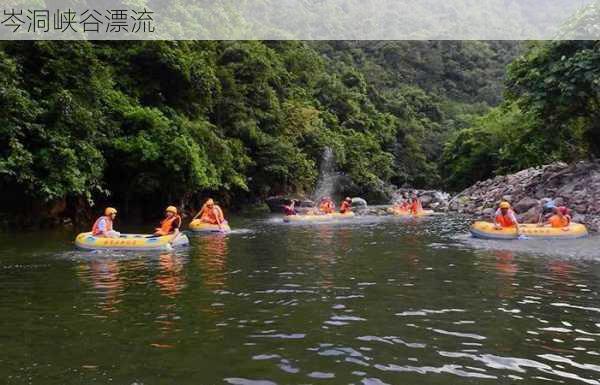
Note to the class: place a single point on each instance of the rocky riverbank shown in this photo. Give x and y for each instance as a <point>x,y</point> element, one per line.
<point>575,185</point>
<point>431,199</point>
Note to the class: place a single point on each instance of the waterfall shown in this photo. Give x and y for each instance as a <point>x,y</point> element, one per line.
<point>328,176</point>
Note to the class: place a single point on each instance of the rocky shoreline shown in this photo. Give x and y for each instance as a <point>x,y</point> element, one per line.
<point>576,186</point>
<point>431,199</point>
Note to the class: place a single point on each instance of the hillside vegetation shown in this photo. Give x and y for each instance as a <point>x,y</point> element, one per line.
<point>139,124</point>
<point>144,123</point>
<point>551,112</point>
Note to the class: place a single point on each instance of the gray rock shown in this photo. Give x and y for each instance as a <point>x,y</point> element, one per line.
<point>359,202</point>
<point>539,193</point>
<point>559,201</point>
<point>582,209</point>
<point>429,198</point>
<point>531,215</point>
<point>488,212</point>
<point>525,204</point>
<point>426,200</point>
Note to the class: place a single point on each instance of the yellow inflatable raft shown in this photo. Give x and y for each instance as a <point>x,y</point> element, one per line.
<point>198,226</point>
<point>487,230</point>
<point>318,218</point>
<point>406,213</point>
<point>130,242</point>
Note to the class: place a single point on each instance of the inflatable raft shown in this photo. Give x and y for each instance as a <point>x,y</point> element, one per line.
<point>198,226</point>
<point>317,218</point>
<point>406,213</point>
<point>487,230</point>
<point>130,242</point>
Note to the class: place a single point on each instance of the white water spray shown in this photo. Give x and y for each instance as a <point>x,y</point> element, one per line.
<point>328,176</point>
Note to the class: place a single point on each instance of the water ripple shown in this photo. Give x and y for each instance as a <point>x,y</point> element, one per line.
<point>450,369</point>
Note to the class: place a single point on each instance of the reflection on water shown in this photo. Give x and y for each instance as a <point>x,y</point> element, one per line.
<point>103,276</point>
<point>507,270</point>
<point>211,257</point>
<point>325,260</point>
<point>171,278</point>
<point>374,301</point>
<point>212,260</point>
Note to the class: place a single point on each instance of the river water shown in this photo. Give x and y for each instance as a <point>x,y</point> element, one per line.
<point>370,301</point>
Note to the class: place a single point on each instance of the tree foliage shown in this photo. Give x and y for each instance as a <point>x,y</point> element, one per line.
<point>551,112</point>
<point>156,121</point>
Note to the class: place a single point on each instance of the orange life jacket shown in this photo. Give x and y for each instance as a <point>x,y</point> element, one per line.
<point>504,220</point>
<point>558,221</point>
<point>214,216</point>
<point>345,207</point>
<point>416,207</point>
<point>109,225</point>
<point>166,225</point>
<point>326,207</point>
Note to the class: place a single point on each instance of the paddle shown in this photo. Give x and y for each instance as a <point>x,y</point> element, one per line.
<point>520,235</point>
<point>176,235</point>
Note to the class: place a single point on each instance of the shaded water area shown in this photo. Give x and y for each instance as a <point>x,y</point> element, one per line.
<point>371,301</point>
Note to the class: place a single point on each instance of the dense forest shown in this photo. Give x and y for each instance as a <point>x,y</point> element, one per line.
<point>138,124</point>
<point>551,112</point>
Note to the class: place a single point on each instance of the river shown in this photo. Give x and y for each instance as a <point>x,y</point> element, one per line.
<point>370,301</point>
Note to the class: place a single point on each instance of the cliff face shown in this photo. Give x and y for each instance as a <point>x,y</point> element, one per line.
<point>576,186</point>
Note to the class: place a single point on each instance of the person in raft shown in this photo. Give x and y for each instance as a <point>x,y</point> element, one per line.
<point>546,211</point>
<point>346,206</point>
<point>505,217</point>
<point>416,207</point>
<point>290,208</point>
<point>103,227</point>
<point>402,204</point>
<point>560,218</point>
<point>169,225</point>
<point>326,206</point>
<point>211,213</point>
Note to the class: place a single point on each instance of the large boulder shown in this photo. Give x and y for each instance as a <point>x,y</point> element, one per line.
<point>426,200</point>
<point>359,202</point>
<point>525,204</point>
<point>530,216</point>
